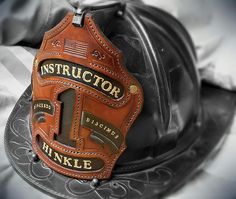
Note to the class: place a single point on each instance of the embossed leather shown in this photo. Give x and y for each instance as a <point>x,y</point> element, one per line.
<point>84,101</point>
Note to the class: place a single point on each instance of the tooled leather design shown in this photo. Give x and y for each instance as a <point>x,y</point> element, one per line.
<point>106,101</point>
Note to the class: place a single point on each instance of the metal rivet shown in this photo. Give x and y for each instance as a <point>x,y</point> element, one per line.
<point>120,13</point>
<point>94,182</point>
<point>35,157</point>
<point>133,89</point>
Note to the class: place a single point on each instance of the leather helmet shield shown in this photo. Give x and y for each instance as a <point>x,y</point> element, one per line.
<point>84,101</point>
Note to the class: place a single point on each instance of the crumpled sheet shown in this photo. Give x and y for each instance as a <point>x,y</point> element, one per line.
<point>211,25</point>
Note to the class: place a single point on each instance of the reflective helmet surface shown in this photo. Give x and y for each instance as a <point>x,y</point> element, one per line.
<point>160,54</point>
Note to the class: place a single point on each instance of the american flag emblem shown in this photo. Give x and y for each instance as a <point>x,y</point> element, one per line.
<point>76,48</point>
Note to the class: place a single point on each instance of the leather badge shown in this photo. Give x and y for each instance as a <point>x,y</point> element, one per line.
<point>84,101</point>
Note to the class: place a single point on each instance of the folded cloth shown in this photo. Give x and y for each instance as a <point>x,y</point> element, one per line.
<point>211,25</point>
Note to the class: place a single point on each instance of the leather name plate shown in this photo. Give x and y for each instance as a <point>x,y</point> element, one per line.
<point>71,162</point>
<point>98,81</point>
<point>84,101</point>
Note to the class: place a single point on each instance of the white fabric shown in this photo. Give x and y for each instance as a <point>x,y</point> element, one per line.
<point>211,24</point>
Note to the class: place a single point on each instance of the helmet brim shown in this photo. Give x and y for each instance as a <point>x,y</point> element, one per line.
<point>165,176</point>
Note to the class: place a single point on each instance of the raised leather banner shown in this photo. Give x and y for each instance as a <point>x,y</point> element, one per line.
<point>82,74</point>
<point>44,106</point>
<point>71,162</point>
<point>84,101</point>
<point>103,131</point>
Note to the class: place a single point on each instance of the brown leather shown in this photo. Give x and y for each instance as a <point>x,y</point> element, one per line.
<point>78,71</point>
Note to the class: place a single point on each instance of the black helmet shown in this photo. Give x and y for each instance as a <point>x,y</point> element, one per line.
<point>176,129</point>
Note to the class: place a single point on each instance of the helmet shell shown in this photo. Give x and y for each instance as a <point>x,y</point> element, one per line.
<point>159,52</point>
